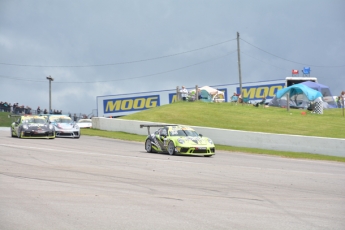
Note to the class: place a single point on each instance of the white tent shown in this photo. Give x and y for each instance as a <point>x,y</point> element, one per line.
<point>212,94</point>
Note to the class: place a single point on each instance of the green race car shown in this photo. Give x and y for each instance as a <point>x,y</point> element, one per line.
<point>30,126</point>
<point>178,139</point>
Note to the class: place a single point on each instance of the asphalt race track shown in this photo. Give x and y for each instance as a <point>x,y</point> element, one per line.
<point>100,183</point>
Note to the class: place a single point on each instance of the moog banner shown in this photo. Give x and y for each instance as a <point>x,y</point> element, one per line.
<point>124,104</point>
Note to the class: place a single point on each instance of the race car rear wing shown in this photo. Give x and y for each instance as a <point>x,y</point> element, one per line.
<point>14,117</point>
<point>149,126</point>
<point>27,115</point>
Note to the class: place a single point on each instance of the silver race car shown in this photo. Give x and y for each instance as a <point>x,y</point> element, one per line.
<point>64,126</point>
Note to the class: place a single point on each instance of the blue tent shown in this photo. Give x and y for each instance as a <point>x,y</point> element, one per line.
<point>319,87</point>
<point>325,91</point>
<point>299,89</point>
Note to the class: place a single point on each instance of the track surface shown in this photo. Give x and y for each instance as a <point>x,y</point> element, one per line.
<point>100,183</point>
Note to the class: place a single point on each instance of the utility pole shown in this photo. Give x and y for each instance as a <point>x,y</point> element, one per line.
<point>50,92</point>
<point>239,64</point>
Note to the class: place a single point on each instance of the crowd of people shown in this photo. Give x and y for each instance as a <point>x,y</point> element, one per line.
<point>22,109</point>
<point>45,111</point>
<point>15,108</point>
<point>5,107</point>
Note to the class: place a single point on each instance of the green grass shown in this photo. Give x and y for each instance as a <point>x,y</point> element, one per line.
<point>248,118</point>
<point>4,120</point>
<point>237,117</point>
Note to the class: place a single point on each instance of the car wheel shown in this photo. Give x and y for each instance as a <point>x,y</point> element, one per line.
<point>148,146</point>
<point>171,148</point>
<point>19,133</point>
<point>12,133</point>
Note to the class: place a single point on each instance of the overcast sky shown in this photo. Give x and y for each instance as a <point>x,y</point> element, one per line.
<point>108,47</point>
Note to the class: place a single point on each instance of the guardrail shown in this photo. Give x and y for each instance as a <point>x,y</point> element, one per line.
<point>281,142</point>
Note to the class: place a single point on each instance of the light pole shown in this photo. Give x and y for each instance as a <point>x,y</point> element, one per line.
<point>239,64</point>
<point>50,92</point>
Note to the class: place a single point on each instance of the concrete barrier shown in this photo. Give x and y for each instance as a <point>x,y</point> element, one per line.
<point>281,142</point>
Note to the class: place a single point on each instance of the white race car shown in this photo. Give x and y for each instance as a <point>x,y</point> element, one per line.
<point>85,123</point>
<point>64,126</point>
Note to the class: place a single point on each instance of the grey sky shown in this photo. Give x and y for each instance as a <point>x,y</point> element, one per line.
<point>68,39</point>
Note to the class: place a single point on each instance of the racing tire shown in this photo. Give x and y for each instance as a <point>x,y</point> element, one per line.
<point>12,133</point>
<point>148,146</point>
<point>171,148</point>
<point>19,135</point>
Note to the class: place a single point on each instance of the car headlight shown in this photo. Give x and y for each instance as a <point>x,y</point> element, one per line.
<point>25,127</point>
<point>181,141</point>
<point>210,141</point>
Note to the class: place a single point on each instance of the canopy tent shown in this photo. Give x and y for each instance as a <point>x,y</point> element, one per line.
<point>210,94</point>
<point>300,96</point>
<point>325,91</point>
<point>299,89</point>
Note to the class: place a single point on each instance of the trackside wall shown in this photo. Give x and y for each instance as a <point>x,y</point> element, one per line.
<point>281,142</point>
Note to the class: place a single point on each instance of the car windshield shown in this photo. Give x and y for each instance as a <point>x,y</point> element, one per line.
<point>84,121</point>
<point>185,132</point>
<point>35,120</point>
<point>64,120</point>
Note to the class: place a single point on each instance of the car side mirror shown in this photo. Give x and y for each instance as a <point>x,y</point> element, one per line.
<point>200,134</point>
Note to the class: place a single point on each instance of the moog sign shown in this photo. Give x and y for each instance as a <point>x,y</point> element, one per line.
<point>257,92</point>
<point>130,104</point>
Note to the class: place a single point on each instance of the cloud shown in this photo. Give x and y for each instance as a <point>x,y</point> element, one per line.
<point>39,35</point>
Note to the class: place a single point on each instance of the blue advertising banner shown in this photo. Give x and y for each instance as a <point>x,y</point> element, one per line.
<point>130,104</point>
<point>257,92</point>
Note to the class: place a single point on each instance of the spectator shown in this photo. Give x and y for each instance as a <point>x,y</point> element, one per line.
<point>338,101</point>
<point>45,111</point>
<point>199,94</point>
<point>261,102</point>
<point>234,97</point>
<point>21,109</point>
<point>27,110</point>
<point>14,108</point>
<point>9,107</point>
<point>342,99</point>
<point>38,110</point>
<point>184,93</point>
<point>75,118</point>
<point>240,98</point>
<point>5,106</point>
<point>1,106</point>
